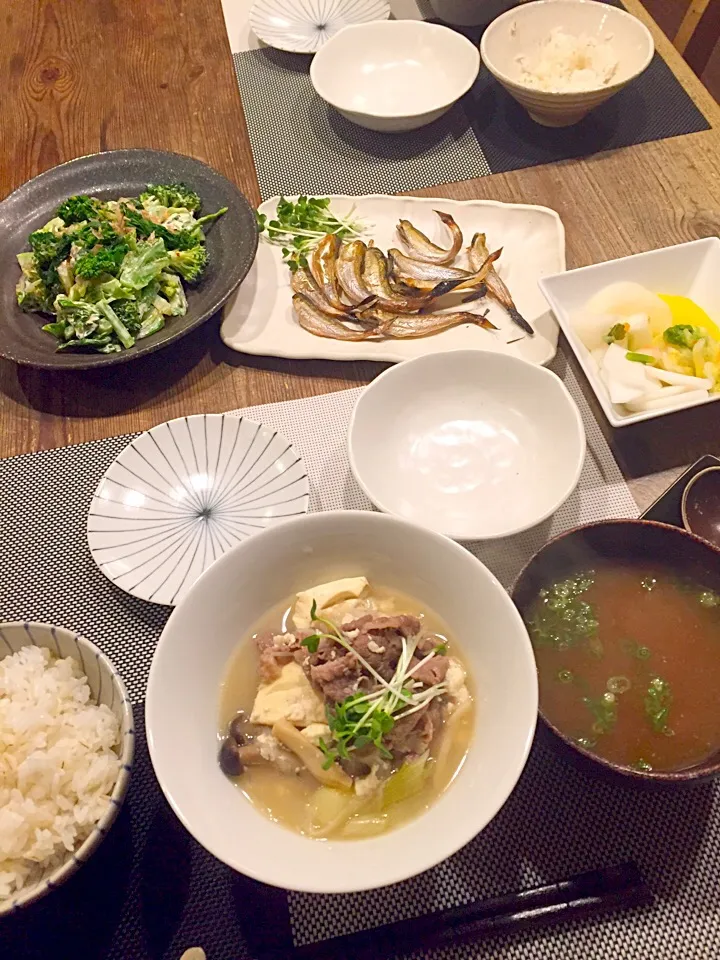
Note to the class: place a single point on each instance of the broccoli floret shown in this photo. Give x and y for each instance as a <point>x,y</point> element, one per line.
<point>106,260</point>
<point>172,195</point>
<point>190,264</point>
<point>682,335</point>
<point>77,209</point>
<point>48,248</point>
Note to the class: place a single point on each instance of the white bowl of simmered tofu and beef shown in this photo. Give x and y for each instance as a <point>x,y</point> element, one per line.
<point>341,702</point>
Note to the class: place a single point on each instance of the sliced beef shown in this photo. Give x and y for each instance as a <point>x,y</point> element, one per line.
<point>431,672</point>
<point>275,651</point>
<point>379,639</point>
<point>336,679</point>
<point>412,735</point>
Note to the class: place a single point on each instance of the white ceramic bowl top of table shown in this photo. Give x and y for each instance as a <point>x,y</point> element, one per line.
<point>190,662</point>
<point>394,75</point>
<point>473,445</point>
<point>514,42</point>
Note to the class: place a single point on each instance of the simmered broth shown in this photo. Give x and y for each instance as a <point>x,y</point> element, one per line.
<point>288,798</point>
<point>628,659</point>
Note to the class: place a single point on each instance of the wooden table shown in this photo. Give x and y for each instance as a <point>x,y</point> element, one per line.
<point>86,76</point>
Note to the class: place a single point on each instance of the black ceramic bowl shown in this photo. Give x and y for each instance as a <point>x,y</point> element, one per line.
<point>641,540</point>
<point>231,245</point>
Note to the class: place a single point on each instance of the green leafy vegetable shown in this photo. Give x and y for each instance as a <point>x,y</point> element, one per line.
<point>658,700</point>
<point>299,224</point>
<point>709,599</point>
<point>561,618</point>
<point>108,273</point>
<point>604,710</point>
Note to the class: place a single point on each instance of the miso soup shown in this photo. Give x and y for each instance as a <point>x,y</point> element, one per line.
<point>628,659</point>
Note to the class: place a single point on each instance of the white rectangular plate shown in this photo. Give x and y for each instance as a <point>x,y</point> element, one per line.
<point>260,319</point>
<point>687,269</point>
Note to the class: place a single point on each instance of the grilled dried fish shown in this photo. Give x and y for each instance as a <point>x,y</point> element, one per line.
<point>375,278</point>
<point>323,325</point>
<point>477,256</point>
<point>322,264</point>
<point>428,324</point>
<point>303,283</point>
<point>423,275</point>
<point>349,269</point>
<point>479,278</point>
<point>421,248</point>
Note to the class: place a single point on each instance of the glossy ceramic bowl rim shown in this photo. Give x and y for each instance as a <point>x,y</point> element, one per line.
<point>569,95</point>
<point>441,104</point>
<point>390,870</point>
<point>689,775</point>
<point>686,491</point>
<point>473,534</point>
<point>126,755</point>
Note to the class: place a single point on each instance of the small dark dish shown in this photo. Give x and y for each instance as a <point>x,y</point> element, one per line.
<point>700,506</point>
<point>231,245</point>
<point>621,540</point>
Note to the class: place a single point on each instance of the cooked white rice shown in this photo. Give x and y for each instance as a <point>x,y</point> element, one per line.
<point>565,63</point>
<point>57,763</point>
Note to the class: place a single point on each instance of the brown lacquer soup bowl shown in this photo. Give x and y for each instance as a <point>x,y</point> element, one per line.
<point>637,602</point>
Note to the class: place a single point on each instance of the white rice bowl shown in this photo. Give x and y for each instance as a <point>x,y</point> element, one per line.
<point>66,744</point>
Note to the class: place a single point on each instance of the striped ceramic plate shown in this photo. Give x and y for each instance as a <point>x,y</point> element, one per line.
<point>185,492</point>
<point>303,26</point>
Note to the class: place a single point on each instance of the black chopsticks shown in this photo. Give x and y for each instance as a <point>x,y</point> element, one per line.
<point>577,898</point>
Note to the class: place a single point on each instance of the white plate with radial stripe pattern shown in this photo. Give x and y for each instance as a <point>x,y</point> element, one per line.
<point>183,493</point>
<point>303,26</point>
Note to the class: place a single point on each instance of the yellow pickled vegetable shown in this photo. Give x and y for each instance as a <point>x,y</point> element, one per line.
<point>685,310</point>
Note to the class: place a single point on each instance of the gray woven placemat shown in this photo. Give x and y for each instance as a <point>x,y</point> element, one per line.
<point>301,145</point>
<point>557,822</point>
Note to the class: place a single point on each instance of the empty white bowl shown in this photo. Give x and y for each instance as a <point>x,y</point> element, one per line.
<point>394,75</point>
<point>182,708</point>
<point>687,270</point>
<point>471,444</point>
<point>521,31</point>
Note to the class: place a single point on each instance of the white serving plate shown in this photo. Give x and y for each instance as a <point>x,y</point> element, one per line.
<point>260,319</point>
<point>687,269</point>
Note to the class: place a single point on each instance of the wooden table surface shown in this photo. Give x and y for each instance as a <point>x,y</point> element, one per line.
<point>86,76</point>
